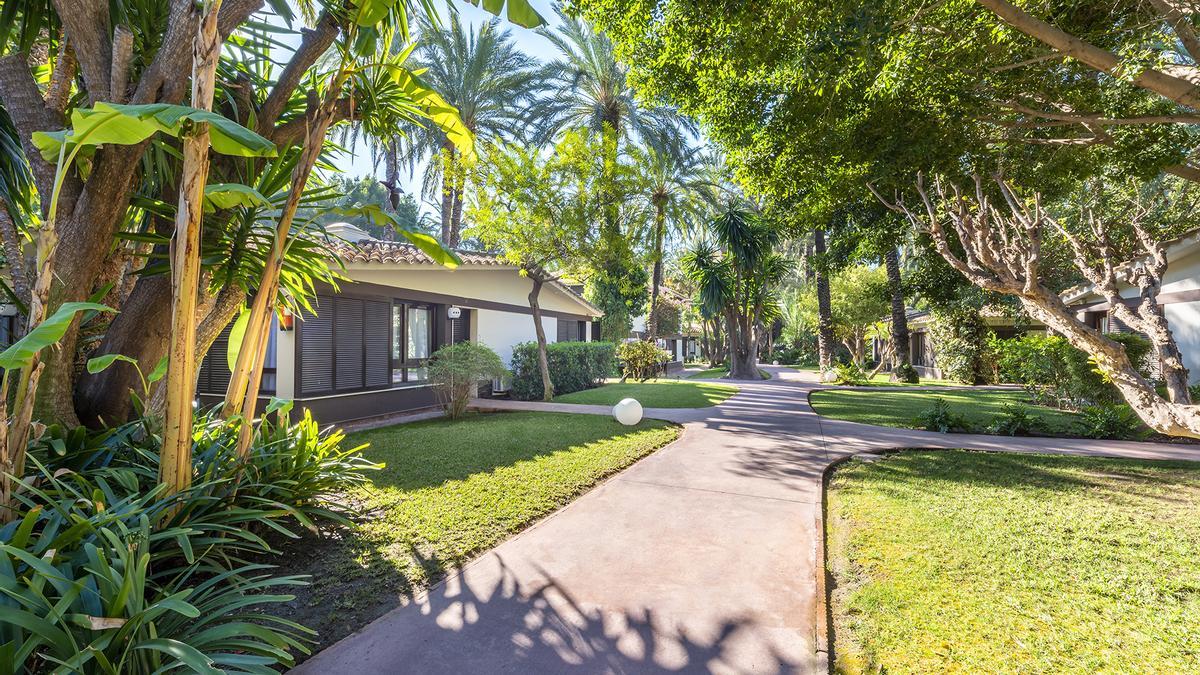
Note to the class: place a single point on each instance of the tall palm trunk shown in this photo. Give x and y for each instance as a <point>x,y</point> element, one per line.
<point>825,340</point>
<point>460,186</point>
<point>900,347</point>
<point>391,175</point>
<point>660,221</point>
<point>175,466</point>
<point>540,331</point>
<point>448,183</point>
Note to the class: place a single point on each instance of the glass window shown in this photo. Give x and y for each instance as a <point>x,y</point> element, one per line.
<point>418,333</point>
<point>397,341</point>
<point>418,374</point>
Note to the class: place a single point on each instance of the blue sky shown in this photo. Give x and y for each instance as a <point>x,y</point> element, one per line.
<point>359,163</point>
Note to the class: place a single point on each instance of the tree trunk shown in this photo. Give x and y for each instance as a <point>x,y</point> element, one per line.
<point>543,360</point>
<point>142,332</point>
<point>656,277</point>
<point>447,156</point>
<point>900,341</point>
<point>391,176</point>
<point>175,468</point>
<point>743,353</point>
<point>825,339</point>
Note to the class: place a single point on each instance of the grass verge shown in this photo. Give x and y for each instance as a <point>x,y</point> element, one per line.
<point>451,490</point>
<point>900,408</point>
<point>720,372</point>
<point>654,394</point>
<point>955,561</point>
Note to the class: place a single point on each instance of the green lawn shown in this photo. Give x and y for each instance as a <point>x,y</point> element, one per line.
<point>451,490</point>
<point>654,394</point>
<point>955,561</point>
<point>900,408</point>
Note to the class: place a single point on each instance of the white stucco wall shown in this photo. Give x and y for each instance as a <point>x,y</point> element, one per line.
<point>502,330</point>
<point>494,285</point>
<point>1184,319</point>
<point>285,364</point>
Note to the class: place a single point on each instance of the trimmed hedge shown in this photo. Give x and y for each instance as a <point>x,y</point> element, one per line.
<point>574,366</point>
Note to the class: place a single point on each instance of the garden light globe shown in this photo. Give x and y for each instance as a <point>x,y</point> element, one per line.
<point>628,412</point>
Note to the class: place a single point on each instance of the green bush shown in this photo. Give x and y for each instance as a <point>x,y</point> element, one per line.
<point>1059,374</point>
<point>640,359</point>
<point>456,369</point>
<point>959,338</point>
<point>1015,420</point>
<point>849,374</point>
<point>905,372</point>
<point>100,572</point>
<point>574,366</point>
<point>1110,420</point>
<point>941,419</point>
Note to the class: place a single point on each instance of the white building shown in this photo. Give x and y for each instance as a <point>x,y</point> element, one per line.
<point>363,352</point>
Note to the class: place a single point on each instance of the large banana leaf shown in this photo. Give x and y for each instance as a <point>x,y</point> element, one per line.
<point>48,332</point>
<point>109,123</point>
<point>232,195</point>
<point>436,109</point>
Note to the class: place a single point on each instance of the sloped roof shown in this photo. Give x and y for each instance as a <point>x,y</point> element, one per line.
<point>1183,245</point>
<point>403,253</point>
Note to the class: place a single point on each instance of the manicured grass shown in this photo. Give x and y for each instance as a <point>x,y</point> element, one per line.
<point>884,380</point>
<point>900,407</point>
<point>955,561</point>
<point>654,394</point>
<point>451,490</point>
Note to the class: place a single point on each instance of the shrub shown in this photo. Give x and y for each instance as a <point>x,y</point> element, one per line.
<point>1015,420</point>
<point>101,573</point>
<point>640,359</point>
<point>1059,374</point>
<point>905,372</point>
<point>456,369</point>
<point>959,338</point>
<point>574,366</point>
<point>1110,420</point>
<point>849,373</point>
<point>941,419</point>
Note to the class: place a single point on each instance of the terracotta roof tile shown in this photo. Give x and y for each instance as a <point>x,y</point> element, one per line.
<point>394,252</point>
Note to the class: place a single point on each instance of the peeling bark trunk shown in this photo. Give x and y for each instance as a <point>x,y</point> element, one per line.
<point>656,276</point>
<point>175,468</point>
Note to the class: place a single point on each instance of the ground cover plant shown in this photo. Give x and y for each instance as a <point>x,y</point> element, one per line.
<point>900,407</point>
<point>963,561</point>
<point>655,394</point>
<point>452,489</point>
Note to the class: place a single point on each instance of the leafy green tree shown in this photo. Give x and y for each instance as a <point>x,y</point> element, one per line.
<point>481,72</point>
<point>542,212</point>
<point>859,298</point>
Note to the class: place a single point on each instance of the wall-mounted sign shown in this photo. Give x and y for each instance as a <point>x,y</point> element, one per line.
<point>454,312</point>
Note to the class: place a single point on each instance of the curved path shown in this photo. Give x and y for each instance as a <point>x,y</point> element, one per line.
<point>703,557</point>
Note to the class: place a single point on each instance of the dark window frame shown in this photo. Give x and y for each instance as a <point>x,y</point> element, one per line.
<point>404,364</point>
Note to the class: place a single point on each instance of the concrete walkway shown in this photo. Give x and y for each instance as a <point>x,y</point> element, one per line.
<point>703,557</point>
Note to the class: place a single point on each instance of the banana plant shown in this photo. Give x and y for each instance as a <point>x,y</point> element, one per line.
<point>105,124</point>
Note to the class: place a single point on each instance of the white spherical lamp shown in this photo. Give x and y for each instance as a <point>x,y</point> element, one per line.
<point>628,412</point>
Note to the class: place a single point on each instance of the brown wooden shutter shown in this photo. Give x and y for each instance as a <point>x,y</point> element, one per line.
<point>377,343</point>
<point>564,331</point>
<point>316,349</point>
<point>348,343</point>
<point>459,329</point>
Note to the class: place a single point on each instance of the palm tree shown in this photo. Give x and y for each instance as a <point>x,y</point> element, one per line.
<point>738,277</point>
<point>676,186</point>
<point>481,72</point>
<point>587,89</point>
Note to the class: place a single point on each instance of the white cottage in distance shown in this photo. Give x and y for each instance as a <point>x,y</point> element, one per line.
<point>363,352</point>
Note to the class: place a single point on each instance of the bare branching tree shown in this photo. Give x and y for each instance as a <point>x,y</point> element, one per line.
<point>997,245</point>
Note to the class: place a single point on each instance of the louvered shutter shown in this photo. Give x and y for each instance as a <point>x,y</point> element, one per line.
<point>377,343</point>
<point>348,343</point>
<point>564,331</point>
<point>316,349</point>
<point>218,362</point>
